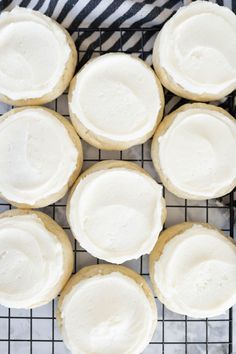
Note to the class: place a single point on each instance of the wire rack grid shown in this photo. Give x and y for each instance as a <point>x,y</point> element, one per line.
<point>35,331</point>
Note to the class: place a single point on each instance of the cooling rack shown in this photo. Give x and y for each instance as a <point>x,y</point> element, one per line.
<point>35,331</point>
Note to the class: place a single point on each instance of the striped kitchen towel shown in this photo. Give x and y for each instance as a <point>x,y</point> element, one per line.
<point>93,14</point>
<point>74,14</point>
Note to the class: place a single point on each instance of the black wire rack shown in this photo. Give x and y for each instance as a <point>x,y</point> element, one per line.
<point>35,331</point>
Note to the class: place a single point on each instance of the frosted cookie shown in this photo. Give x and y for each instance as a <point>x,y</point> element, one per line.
<point>107,309</point>
<point>193,270</point>
<point>194,150</point>
<point>40,156</point>
<point>194,54</point>
<point>115,101</point>
<point>37,58</point>
<point>36,259</point>
<point>116,211</point>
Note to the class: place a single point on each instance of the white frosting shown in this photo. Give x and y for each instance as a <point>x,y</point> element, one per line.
<point>37,156</point>
<point>110,100</point>
<point>116,214</point>
<point>33,54</point>
<point>196,273</point>
<point>31,261</point>
<point>197,152</point>
<point>107,314</point>
<point>197,48</point>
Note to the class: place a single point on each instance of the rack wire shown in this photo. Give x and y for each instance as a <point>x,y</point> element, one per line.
<point>35,331</point>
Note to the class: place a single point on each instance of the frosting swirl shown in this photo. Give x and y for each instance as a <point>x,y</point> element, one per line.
<point>107,314</point>
<point>116,214</point>
<point>33,54</point>
<point>197,49</point>
<point>37,155</point>
<point>108,97</point>
<point>196,272</point>
<point>197,150</point>
<point>31,261</point>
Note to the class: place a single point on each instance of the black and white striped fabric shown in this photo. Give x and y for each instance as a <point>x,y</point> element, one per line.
<point>83,18</point>
<point>74,14</point>
<point>94,14</point>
